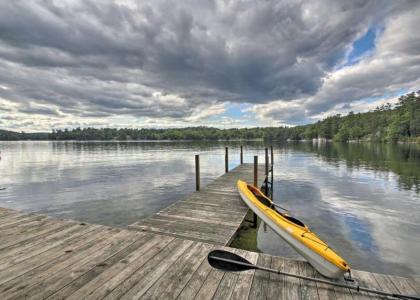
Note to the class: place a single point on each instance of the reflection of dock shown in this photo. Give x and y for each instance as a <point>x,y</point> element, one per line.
<point>47,258</point>
<point>213,214</point>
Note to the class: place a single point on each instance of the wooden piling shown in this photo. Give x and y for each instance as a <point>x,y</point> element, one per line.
<point>266,172</point>
<point>226,160</point>
<point>266,162</point>
<point>242,155</point>
<point>254,219</point>
<point>197,172</point>
<point>256,171</point>
<point>272,174</point>
<point>272,157</point>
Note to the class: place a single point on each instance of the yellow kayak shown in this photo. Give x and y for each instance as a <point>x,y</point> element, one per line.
<point>294,232</point>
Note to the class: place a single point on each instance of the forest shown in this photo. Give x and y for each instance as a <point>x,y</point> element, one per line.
<point>387,123</point>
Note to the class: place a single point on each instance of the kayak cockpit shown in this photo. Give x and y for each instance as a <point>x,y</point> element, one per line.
<point>294,220</point>
<point>267,202</point>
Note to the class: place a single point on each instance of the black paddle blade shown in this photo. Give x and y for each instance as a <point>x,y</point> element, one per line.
<point>228,261</point>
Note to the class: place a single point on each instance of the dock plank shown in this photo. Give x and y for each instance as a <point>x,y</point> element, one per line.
<point>308,288</point>
<point>260,281</point>
<point>109,280</point>
<point>60,279</point>
<point>172,282</point>
<point>155,269</point>
<point>291,285</point>
<point>76,251</point>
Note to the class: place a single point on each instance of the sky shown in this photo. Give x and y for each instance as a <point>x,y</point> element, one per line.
<point>123,63</point>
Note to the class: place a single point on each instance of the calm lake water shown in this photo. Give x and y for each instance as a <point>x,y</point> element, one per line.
<point>362,199</point>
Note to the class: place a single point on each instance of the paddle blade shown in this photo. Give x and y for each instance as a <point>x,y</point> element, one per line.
<point>228,261</point>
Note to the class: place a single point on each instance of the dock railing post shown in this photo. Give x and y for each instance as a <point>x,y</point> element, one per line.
<point>272,158</point>
<point>197,172</point>
<point>256,185</point>
<point>266,172</point>
<point>272,172</point>
<point>226,160</point>
<point>242,155</point>
<point>256,171</point>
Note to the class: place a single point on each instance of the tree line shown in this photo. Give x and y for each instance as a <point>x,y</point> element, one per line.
<point>387,123</point>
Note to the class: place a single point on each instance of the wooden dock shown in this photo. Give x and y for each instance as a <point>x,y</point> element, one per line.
<point>164,257</point>
<point>47,258</point>
<point>213,214</point>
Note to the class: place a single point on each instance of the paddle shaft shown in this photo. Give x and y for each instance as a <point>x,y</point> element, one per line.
<point>276,205</point>
<point>356,288</point>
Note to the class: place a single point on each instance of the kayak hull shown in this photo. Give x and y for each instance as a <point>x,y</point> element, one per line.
<point>322,265</point>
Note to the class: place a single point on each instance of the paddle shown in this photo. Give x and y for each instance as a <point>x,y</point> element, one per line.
<point>231,262</point>
<point>276,205</point>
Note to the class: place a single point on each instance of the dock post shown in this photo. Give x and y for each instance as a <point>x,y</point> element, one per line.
<point>242,155</point>
<point>197,172</point>
<point>226,160</point>
<point>254,221</point>
<point>272,158</point>
<point>272,173</point>
<point>266,172</point>
<point>256,171</point>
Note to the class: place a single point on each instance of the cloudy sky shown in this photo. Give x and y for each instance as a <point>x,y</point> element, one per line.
<point>216,63</point>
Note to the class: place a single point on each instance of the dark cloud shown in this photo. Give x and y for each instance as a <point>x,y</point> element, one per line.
<point>42,110</point>
<point>96,59</point>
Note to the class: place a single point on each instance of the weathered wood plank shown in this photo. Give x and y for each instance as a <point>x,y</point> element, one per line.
<point>308,288</point>
<point>231,281</point>
<point>23,224</point>
<point>276,282</point>
<point>259,286</point>
<point>325,291</point>
<point>62,278</point>
<point>403,285</point>
<point>86,245</point>
<point>196,281</point>
<point>367,280</point>
<point>168,222</point>
<point>158,269</point>
<point>192,217</point>
<point>35,235</point>
<point>108,280</point>
<point>192,235</point>
<point>150,270</point>
<point>172,282</point>
<point>14,270</point>
<point>415,284</point>
<point>291,285</point>
<point>210,285</point>
<point>89,281</point>
<point>243,285</point>
<point>53,241</point>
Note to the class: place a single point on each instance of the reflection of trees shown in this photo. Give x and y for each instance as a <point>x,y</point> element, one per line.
<point>402,159</point>
<point>196,146</point>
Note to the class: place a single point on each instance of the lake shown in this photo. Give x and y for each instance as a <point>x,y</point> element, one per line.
<point>363,199</point>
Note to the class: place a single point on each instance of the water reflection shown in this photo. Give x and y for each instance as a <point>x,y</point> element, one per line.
<point>361,198</point>
<point>364,206</point>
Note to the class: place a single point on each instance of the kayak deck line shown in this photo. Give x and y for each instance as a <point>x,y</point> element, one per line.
<point>48,258</point>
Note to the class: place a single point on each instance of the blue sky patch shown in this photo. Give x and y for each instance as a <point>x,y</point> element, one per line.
<point>362,46</point>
